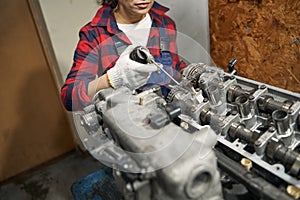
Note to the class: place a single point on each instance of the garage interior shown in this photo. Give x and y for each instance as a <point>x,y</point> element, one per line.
<point>40,159</point>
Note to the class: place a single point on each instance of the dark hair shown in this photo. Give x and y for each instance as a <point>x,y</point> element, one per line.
<point>111,3</point>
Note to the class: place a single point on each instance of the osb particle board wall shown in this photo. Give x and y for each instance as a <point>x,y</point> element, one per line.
<point>264,36</point>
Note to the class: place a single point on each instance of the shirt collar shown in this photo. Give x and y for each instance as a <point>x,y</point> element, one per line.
<point>105,17</point>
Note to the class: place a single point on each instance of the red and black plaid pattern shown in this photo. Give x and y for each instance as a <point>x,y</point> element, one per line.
<point>96,51</point>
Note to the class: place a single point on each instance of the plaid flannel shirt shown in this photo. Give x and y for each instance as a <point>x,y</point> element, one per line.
<point>96,51</point>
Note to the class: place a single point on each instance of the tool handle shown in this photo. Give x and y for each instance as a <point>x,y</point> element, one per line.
<point>140,54</point>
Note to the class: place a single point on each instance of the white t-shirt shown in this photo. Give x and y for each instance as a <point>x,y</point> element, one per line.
<point>138,33</point>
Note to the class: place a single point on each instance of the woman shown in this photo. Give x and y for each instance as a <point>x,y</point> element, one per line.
<point>119,25</point>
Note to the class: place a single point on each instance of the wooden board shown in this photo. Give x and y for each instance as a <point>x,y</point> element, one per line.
<point>264,36</point>
<point>34,128</point>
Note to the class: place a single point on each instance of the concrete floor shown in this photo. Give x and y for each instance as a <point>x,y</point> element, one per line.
<point>52,182</point>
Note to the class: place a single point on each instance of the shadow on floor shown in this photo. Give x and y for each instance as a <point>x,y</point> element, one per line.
<point>51,182</point>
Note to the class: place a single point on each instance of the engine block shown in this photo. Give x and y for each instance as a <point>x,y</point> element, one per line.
<point>216,135</point>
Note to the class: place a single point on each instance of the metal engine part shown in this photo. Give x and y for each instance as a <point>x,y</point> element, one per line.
<point>169,149</point>
<point>153,157</point>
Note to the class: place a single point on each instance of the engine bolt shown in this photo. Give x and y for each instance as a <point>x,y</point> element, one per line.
<point>141,101</point>
<point>234,112</point>
<point>184,125</point>
<point>257,143</point>
<point>262,87</point>
<point>293,191</point>
<point>246,163</point>
<point>272,129</point>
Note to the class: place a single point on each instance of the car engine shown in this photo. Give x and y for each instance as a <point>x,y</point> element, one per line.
<point>215,136</point>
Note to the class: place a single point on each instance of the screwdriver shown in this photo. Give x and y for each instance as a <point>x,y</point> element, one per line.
<point>142,55</point>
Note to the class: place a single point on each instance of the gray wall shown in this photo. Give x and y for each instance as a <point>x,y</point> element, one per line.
<point>64,18</point>
<point>192,20</point>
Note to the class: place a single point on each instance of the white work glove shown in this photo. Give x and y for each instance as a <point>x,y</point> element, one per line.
<point>129,73</point>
